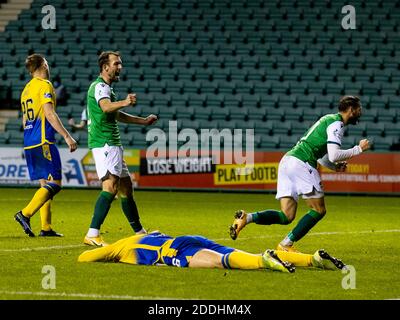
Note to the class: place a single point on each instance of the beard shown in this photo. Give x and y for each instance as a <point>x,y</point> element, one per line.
<point>354,120</point>
<point>115,77</point>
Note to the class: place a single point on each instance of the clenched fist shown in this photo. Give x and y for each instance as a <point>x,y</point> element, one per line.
<point>364,144</point>
<point>150,119</point>
<point>130,99</point>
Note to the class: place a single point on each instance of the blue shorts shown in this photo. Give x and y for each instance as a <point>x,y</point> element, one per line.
<point>188,246</point>
<point>44,162</point>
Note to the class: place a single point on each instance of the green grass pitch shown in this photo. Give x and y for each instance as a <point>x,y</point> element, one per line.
<point>362,231</point>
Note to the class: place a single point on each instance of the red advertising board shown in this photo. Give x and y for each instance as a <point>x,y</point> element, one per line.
<point>369,172</point>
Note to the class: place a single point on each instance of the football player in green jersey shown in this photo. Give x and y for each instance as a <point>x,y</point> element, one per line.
<point>104,112</point>
<point>298,174</point>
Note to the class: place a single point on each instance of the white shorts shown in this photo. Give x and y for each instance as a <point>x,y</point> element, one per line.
<point>110,158</point>
<point>296,177</point>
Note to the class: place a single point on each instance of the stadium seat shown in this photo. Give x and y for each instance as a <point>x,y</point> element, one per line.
<point>288,142</point>
<point>219,61</point>
<point>4,137</point>
<point>375,130</point>
<point>14,124</point>
<point>269,142</point>
<point>299,128</point>
<point>392,129</point>
<point>264,127</point>
<point>382,143</point>
<point>387,115</point>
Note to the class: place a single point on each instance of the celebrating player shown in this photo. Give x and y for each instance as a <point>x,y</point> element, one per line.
<point>104,112</point>
<point>298,175</point>
<point>200,252</point>
<point>40,121</point>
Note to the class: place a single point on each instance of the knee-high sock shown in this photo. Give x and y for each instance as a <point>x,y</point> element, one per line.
<point>242,260</point>
<point>131,212</point>
<point>101,209</point>
<point>45,215</point>
<point>40,197</point>
<point>297,258</point>
<point>268,217</point>
<point>304,225</point>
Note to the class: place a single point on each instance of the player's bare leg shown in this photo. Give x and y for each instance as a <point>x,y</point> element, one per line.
<point>206,259</point>
<point>289,207</point>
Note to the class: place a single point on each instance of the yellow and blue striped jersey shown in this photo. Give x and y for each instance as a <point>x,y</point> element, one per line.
<point>37,129</point>
<point>153,248</point>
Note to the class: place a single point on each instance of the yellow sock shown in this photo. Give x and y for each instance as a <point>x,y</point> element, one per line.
<point>297,258</point>
<point>243,260</point>
<point>45,215</point>
<point>40,197</point>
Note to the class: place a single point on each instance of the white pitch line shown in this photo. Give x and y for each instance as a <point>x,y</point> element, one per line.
<point>43,248</point>
<point>220,239</point>
<point>85,295</point>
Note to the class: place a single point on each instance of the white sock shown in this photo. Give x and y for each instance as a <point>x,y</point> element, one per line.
<point>93,232</point>
<point>287,242</point>
<point>249,218</point>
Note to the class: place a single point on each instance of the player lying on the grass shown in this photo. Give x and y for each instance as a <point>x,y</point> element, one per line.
<point>200,252</point>
<point>298,174</point>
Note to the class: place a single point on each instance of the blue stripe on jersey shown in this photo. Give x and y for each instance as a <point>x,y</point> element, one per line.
<point>185,247</point>
<point>148,256</point>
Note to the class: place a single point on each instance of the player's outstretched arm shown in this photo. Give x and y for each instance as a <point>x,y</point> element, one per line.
<point>56,123</point>
<point>108,107</point>
<point>336,154</point>
<point>128,118</point>
<point>100,254</point>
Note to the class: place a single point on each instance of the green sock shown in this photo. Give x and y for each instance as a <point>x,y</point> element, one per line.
<point>269,217</point>
<point>304,225</point>
<point>131,212</point>
<point>101,209</point>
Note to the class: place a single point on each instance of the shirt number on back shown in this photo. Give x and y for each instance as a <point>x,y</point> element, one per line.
<point>28,112</point>
<point>176,262</point>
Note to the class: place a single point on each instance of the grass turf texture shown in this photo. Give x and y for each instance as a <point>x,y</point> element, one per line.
<point>362,231</point>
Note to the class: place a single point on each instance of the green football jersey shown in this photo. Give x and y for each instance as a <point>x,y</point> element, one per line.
<point>313,145</point>
<point>102,127</point>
